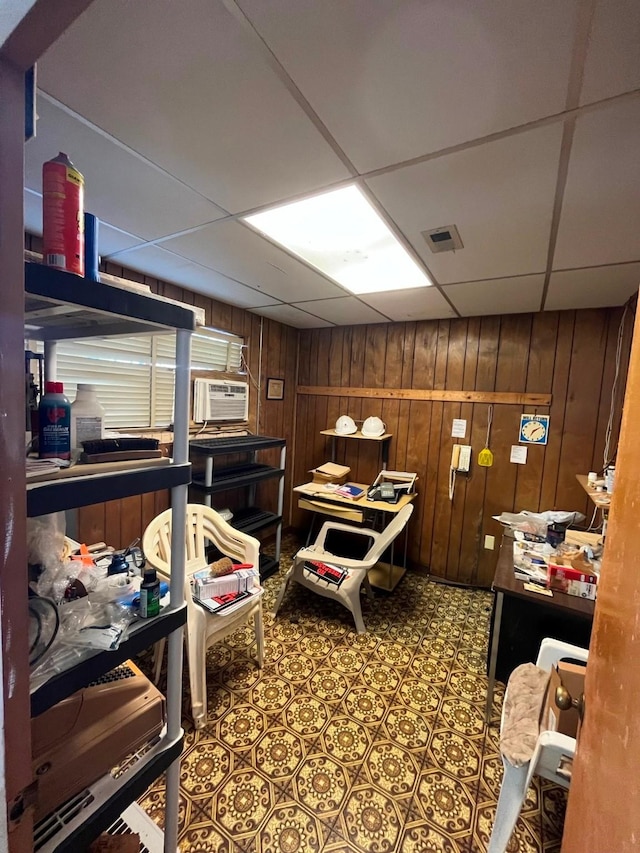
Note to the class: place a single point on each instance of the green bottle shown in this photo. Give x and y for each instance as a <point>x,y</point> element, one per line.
<point>149,594</point>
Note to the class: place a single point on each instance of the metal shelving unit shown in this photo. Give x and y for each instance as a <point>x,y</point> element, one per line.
<point>59,305</point>
<point>213,479</point>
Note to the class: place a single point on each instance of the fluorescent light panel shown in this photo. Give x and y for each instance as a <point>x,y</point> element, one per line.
<point>343,236</point>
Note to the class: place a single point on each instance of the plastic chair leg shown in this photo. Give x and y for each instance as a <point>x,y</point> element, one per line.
<point>512,795</point>
<point>282,591</point>
<point>351,601</point>
<point>259,629</point>
<point>158,654</point>
<point>197,662</point>
<point>367,587</point>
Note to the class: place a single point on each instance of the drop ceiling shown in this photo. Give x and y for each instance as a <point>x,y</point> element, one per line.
<point>518,123</point>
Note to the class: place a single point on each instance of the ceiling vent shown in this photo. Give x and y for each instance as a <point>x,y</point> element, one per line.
<point>443,239</point>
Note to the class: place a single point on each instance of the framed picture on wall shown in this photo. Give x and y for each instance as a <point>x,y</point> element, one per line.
<point>275,389</point>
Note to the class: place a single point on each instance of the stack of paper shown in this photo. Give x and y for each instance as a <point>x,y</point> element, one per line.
<point>229,603</point>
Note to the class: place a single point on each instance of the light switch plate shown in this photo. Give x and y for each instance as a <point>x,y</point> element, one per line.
<point>489,542</point>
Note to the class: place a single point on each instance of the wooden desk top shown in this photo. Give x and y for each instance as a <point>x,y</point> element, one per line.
<point>315,491</point>
<point>505,581</point>
<point>600,499</point>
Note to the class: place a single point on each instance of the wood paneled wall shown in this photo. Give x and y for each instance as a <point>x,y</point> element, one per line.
<point>569,354</point>
<point>271,351</point>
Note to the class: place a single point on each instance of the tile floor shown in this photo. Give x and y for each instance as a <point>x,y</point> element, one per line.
<point>373,743</point>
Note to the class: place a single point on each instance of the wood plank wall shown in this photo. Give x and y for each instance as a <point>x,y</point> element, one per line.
<point>119,522</point>
<point>569,354</point>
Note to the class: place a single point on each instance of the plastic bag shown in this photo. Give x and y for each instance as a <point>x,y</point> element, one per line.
<point>45,540</point>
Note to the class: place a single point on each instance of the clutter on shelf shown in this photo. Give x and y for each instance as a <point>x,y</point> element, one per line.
<point>81,598</point>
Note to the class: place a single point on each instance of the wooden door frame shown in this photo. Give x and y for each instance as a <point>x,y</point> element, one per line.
<point>604,799</point>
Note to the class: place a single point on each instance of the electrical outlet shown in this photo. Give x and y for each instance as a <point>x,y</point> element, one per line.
<point>489,542</point>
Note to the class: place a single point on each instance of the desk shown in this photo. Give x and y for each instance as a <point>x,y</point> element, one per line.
<point>315,498</point>
<point>522,619</point>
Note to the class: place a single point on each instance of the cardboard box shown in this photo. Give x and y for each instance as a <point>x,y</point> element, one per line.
<point>572,581</point>
<point>571,676</point>
<point>330,473</point>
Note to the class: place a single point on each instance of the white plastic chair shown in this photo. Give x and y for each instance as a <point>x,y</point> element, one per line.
<point>204,525</point>
<point>348,593</point>
<point>551,748</point>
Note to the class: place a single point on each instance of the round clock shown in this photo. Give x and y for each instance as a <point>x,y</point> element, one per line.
<point>535,431</point>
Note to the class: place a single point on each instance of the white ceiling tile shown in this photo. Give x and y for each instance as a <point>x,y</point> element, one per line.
<point>168,266</point>
<point>346,311</point>
<point>394,80</point>
<point>291,316</point>
<point>239,253</point>
<point>598,287</point>
<point>497,296</point>
<point>601,207</point>
<point>500,195</point>
<point>424,303</point>
<point>189,90</point>
<point>109,239</point>
<point>613,58</point>
<point>119,187</point>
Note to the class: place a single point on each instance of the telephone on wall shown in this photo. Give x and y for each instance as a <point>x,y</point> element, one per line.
<point>461,458</point>
<point>460,464</point>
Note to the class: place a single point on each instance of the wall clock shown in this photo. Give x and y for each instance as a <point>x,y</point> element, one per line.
<point>534,429</point>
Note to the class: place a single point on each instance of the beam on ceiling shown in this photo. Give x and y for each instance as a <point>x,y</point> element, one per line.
<point>29,27</point>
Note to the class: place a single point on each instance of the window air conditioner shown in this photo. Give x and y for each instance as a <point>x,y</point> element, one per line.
<point>218,400</point>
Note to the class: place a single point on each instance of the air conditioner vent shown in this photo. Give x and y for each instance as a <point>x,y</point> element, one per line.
<point>443,239</point>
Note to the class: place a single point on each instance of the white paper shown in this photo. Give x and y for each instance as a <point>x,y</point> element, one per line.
<point>518,454</point>
<point>459,428</point>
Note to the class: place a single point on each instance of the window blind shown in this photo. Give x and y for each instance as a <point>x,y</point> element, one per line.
<point>134,375</point>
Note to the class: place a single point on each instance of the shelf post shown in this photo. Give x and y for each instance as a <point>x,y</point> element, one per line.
<point>283,456</point>
<point>178,521</point>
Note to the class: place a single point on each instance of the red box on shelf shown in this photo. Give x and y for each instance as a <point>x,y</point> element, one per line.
<point>572,581</point>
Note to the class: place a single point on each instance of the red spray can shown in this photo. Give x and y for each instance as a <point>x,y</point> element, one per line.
<point>63,215</point>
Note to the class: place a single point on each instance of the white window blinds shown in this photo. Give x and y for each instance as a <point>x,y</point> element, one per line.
<point>134,375</point>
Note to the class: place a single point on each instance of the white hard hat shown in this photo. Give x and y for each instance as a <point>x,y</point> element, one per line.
<point>373,427</point>
<point>345,425</point>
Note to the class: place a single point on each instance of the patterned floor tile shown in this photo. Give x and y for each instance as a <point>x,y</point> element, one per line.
<point>457,754</point>
<point>445,802</point>
<point>347,740</point>
<point>306,715</point>
<point>392,769</point>
<point>353,743</point>
<point>322,785</point>
<point>408,728</point>
<point>291,828</point>
<point>371,821</point>
<point>426,839</point>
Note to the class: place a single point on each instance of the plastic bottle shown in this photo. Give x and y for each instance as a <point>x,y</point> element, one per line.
<point>149,594</point>
<point>87,416</point>
<point>54,423</point>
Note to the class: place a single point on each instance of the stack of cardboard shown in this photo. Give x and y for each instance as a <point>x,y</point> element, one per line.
<point>330,473</point>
